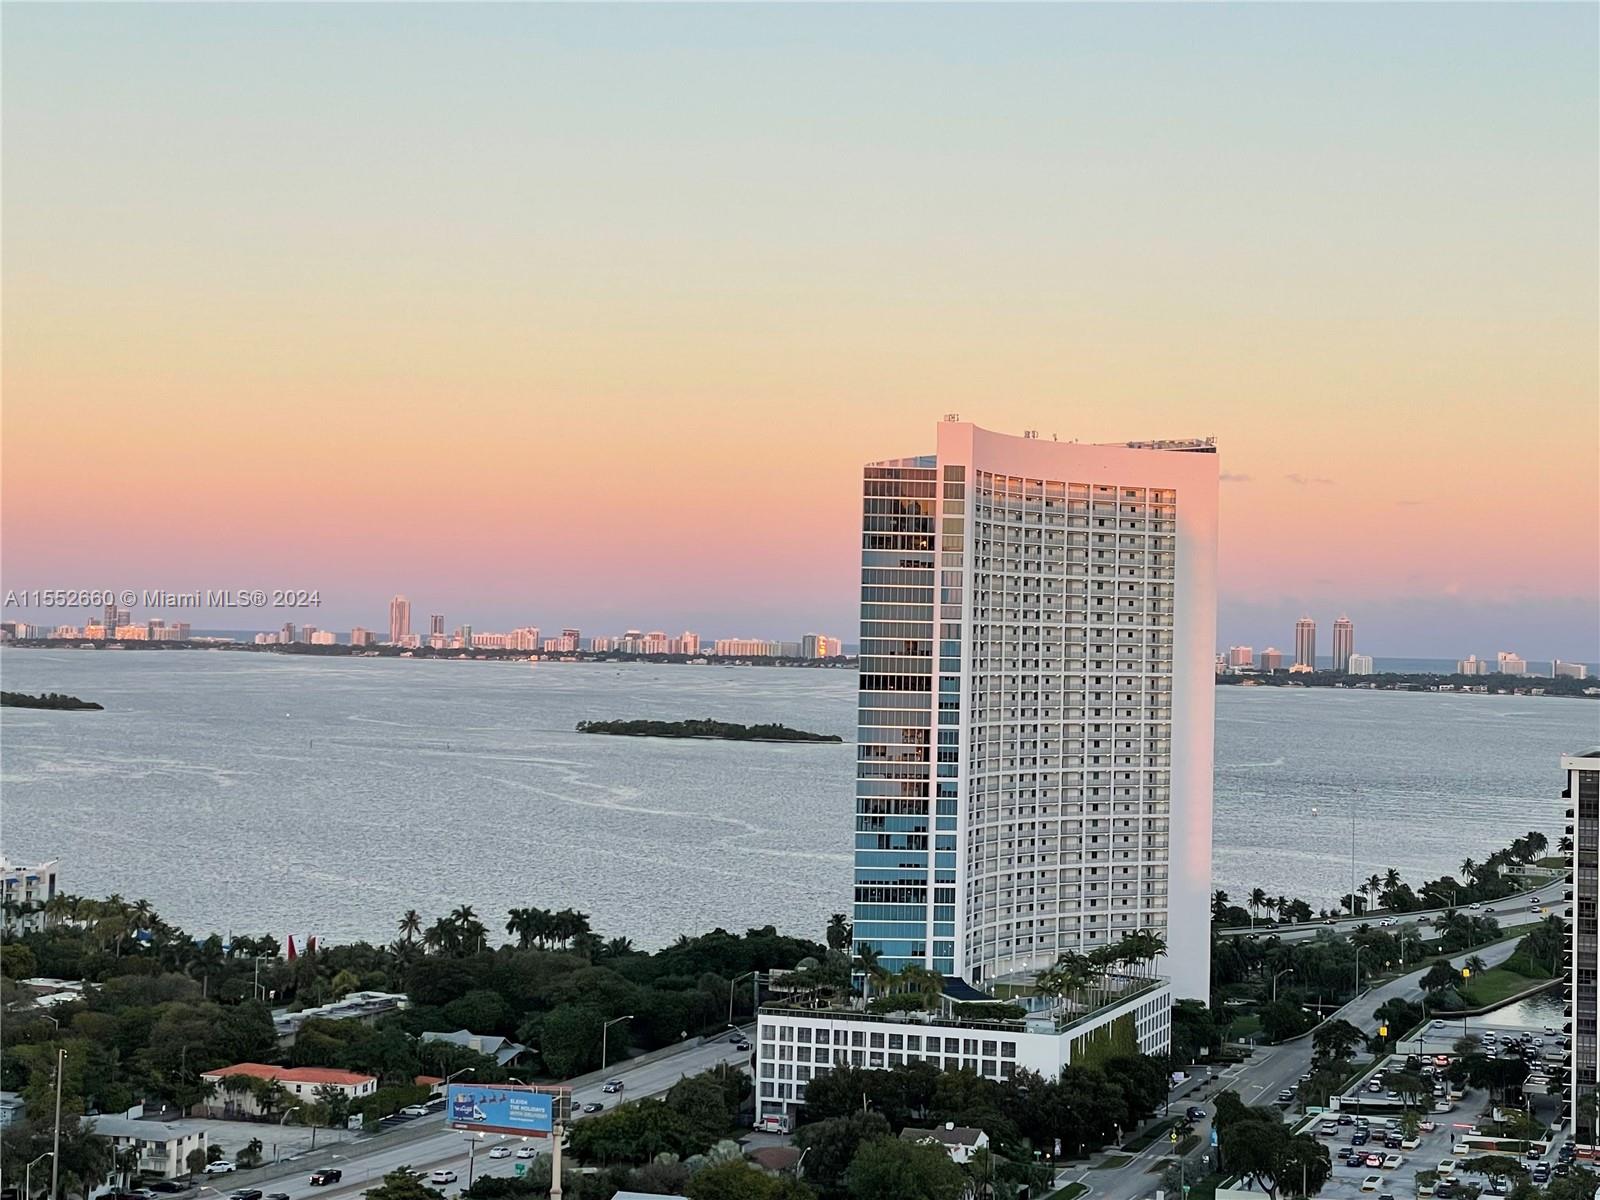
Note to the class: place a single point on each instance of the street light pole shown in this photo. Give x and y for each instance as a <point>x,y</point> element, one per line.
<point>733,985</point>
<point>27,1175</point>
<point>55,1149</point>
<point>1357,994</point>
<point>604,1032</point>
<point>1275,978</point>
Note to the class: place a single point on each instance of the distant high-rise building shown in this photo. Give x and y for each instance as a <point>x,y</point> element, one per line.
<point>436,624</point>
<point>1271,660</point>
<point>744,648</point>
<point>286,636</point>
<point>323,637</point>
<point>362,637</point>
<point>1344,643</point>
<point>1305,643</point>
<point>1507,663</point>
<point>399,619</point>
<point>110,619</point>
<point>466,637</point>
<point>1359,664</point>
<point>689,643</point>
<point>1559,669</point>
<point>1472,665</point>
<point>1241,657</point>
<point>571,640</point>
<point>1582,796</point>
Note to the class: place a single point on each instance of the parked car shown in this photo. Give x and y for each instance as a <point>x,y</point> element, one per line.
<point>612,1085</point>
<point>414,1110</point>
<point>221,1167</point>
<point>169,1186</point>
<point>1328,1128</point>
<point>325,1176</point>
<point>1286,1096</point>
<point>500,1152</point>
<point>1374,1160</point>
<point>1360,1137</point>
<point>1346,1119</point>
<point>1443,1190</point>
<point>442,1176</point>
<point>1541,1173</point>
<point>1372,1183</point>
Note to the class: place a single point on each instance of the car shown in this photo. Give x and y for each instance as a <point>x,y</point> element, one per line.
<point>1427,1126</point>
<point>1286,1096</point>
<point>1391,1095</point>
<point>1374,1086</point>
<point>1549,1031</point>
<point>742,1044</point>
<point>277,1196</point>
<point>1330,921</point>
<point>612,1085</point>
<point>1475,904</point>
<point>1442,1106</point>
<point>593,1106</point>
<point>1360,1137</point>
<point>526,1151</point>
<point>1372,1183</point>
<point>1195,1113</point>
<point>245,1194</point>
<point>442,1176</point>
<point>1487,908</point>
<point>1393,1142</point>
<point>221,1167</point>
<point>500,1152</point>
<point>1385,1196</point>
<point>325,1176</point>
<point>169,1186</point>
<point>1374,1160</point>
<point>1534,1154</point>
<point>1499,1186</point>
<point>414,1110</point>
<point>1441,1060</point>
<point>1564,1167</point>
<point>1346,1119</point>
<point>1538,1042</point>
<point>1541,1173</point>
<point>1443,1190</point>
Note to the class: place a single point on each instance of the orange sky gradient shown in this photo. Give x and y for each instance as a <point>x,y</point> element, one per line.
<point>583,315</point>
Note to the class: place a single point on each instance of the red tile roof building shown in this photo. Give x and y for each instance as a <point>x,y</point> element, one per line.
<point>234,1093</point>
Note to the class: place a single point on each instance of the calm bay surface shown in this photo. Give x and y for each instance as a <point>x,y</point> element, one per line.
<point>263,792</point>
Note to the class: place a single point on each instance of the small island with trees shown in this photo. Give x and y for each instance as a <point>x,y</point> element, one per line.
<point>705,728</point>
<point>46,700</point>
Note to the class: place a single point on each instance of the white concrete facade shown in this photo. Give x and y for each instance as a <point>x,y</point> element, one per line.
<point>163,1145</point>
<point>1036,707</point>
<point>24,891</point>
<point>1582,797</point>
<point>795,1045</point>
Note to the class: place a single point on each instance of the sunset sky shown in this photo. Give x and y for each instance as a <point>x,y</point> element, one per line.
<point>589,315</point>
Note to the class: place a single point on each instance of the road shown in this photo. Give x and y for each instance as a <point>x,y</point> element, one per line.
<point>433,1144</point>
<point>1259,1080</point>
<point>1521,909</point>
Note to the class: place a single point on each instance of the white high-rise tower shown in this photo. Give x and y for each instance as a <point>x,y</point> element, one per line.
<point>399,619</point>
<point>1344,643</point>
<point>1035,720</point>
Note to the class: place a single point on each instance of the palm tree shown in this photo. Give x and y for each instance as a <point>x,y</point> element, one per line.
<point>1219,904</point>
<point>1564,845</point>
<point>1468,867</point>
<point>1065,978</point>
<point>838,932</point>
<point>1475,964</point>
<point>1258,900</point>
<point>868,962</point>
<point>919,981</point>
<point>1374,886</point>
<point>618,947</point>
<point>410,924</point>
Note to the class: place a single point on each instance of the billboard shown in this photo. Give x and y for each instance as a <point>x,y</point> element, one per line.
<point>500,1108</point>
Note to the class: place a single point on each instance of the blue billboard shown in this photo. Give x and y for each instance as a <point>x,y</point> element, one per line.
<point>500,1108</point>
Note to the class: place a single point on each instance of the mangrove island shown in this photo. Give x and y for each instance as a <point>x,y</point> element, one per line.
<point>45,700</point>
<point>725,730</point>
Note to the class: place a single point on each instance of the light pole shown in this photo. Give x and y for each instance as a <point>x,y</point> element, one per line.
<point>733,985</point>
<point>55,1148</point>
<point>445,1082</point>
<point>1357,993</point>
<point>27,1175</point>
<point>605,1031</point>
<point>1275,978</point>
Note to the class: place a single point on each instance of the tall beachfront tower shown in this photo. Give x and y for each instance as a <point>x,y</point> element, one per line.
<point>1305,643</point>
<point>1344,643</point>
<point>1036,695</point>
<point>399,619</point>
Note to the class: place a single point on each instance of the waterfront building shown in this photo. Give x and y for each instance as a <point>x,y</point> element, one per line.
<point>689,643</point>
<point>436,625</point>
<point>744,648</point>
<point>24,891</point>
<point>1271,660</point>
<point>323,637</point>
<point>132,633</point>
<point>399,619</point>
<point>1507,663</point>
<point>1069,801</point>
<point>95,631</point>
<point>1558,670</point>
<point>1034,750</point>
<point>1472,665</point>
<point>1344,643</point>
<point>1241,658</point>
<point>1305,643</point>
<point>1359,664</point>
<point>411,641</point>
<point>286,635</point>
<point>1582,796</point>
<point>362,637</point>
<point>67,631</point>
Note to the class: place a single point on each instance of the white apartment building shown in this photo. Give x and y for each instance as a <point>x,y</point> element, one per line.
<point>1241,657</point>
<point>744,648</point>
<point>1472,665</point>
<point>1507,663</point>
<point>24,891</point>
<point>1035,725</point>
<point>162,1145</point>
<point>1558,670</point>
<point>1359,664</point>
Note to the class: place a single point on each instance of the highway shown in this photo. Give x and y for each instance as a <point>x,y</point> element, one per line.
<point>1511,911</point>
<point>427,1143</point>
